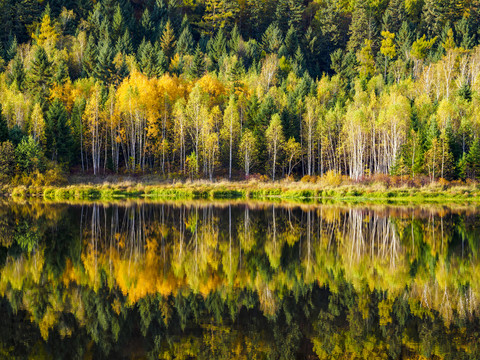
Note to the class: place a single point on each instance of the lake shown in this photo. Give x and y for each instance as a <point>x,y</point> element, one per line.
<point>238,280</point>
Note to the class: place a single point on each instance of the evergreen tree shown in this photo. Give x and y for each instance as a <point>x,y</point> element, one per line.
<point>185,43</point>
<point>291,41</point>
<point>473,161</point>
<point>58,134</point>
<point>161,63</point>
<point>217,48</point>
<point>272,39</point>
<point>359,28</point>
<point>431,18</point>
<point>61,74</point>
<point>104,67</point>
<point>11,48</point>
<point>394,16</point>
<point>7,161</point>
<point>17,75</point>
<point>198,64</point>
<point>40,75</point>
<point>90,57</point>
<point>124,45</point>
<point>147,59</point>
<point>3,127</point>
<point>167,41</point>
<point>147,25</point>
<point>296,10</point>
<point>29,156</point>
<point>118,24</point>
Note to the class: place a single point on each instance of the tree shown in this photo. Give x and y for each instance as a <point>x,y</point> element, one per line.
<point>309,127</point>
<point>293,150</point>
<point>231,129</point>
<point>197,113</point>
<point>104,66</point>
<point>46,36</point>
<point>94,126</point>
<point>359,28</point>
<point>167,41</point>
<point>7,161</point>
<point>248,151</point>
<point>185,43</point>
<point>37,124</point>
<point>275,140</point>
<point>3,127</point>
<point>40,75</point>
<point>197,68</point>
<point>366,62</point>
<point>473,161</point>
<point>29,156</point>
<point>17,75</point>
<point>57,133</point>
<point>218,15</point>
<point>388,48</point>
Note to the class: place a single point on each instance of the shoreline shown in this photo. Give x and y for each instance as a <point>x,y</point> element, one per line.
<point>283,190</point>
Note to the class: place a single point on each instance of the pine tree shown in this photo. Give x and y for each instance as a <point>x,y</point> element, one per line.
<point>431,18</point>
<point>198,64</point>
<point>272,39</point>
<point>90,57</point>
<point>473,161</point>
<point>161,63</point>
<point>359,28</point>
<point>124,45</point>
<point>7,161</point>
<point>185,42</point>
<point>295,13</point>
<point>61,74</point>
<point>40,75</point>
<point>147,25</point>
<point>104,67</point>
<point>167,41</point>
<point>217,47</point>
<point>282,15</point>
<point>464,31</point>
<point>291,41</point>
<point>11,49</point>
<point>394,16</point>
<point>118,24</point>
<point>218,15</point>
<point>3,127</point>
<point>17,76</point>
<point>57,132</point>
<point>146,58</point>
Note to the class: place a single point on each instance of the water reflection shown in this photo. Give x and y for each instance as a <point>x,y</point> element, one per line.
<point>239,280</point>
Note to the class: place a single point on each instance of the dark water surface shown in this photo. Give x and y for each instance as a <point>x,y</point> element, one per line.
<point>201,280</point>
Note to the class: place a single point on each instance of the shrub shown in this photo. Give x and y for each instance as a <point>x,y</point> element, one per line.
<point>331,178</point>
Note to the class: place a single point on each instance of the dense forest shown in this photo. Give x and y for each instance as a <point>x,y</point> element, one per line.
<point>233,88</point>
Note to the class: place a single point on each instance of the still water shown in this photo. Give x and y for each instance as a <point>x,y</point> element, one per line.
<point>201,280</point>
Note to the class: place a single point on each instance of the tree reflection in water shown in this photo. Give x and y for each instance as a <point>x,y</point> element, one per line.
<point>238,280</point>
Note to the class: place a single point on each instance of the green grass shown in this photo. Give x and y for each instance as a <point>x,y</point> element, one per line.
<point>295,191</point>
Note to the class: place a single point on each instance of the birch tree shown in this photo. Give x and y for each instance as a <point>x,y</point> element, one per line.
<point>231,130</point>
<point>275,141</point>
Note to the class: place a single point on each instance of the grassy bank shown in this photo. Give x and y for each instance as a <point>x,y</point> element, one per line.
<point>287,190</point>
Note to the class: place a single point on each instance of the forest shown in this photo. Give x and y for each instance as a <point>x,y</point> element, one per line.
<point>240,88</point>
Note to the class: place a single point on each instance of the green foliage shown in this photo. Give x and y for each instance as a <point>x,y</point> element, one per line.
<point>58,133</point>
<point>7,161</point>
<point>29,156</point>
<point>270,56</point>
